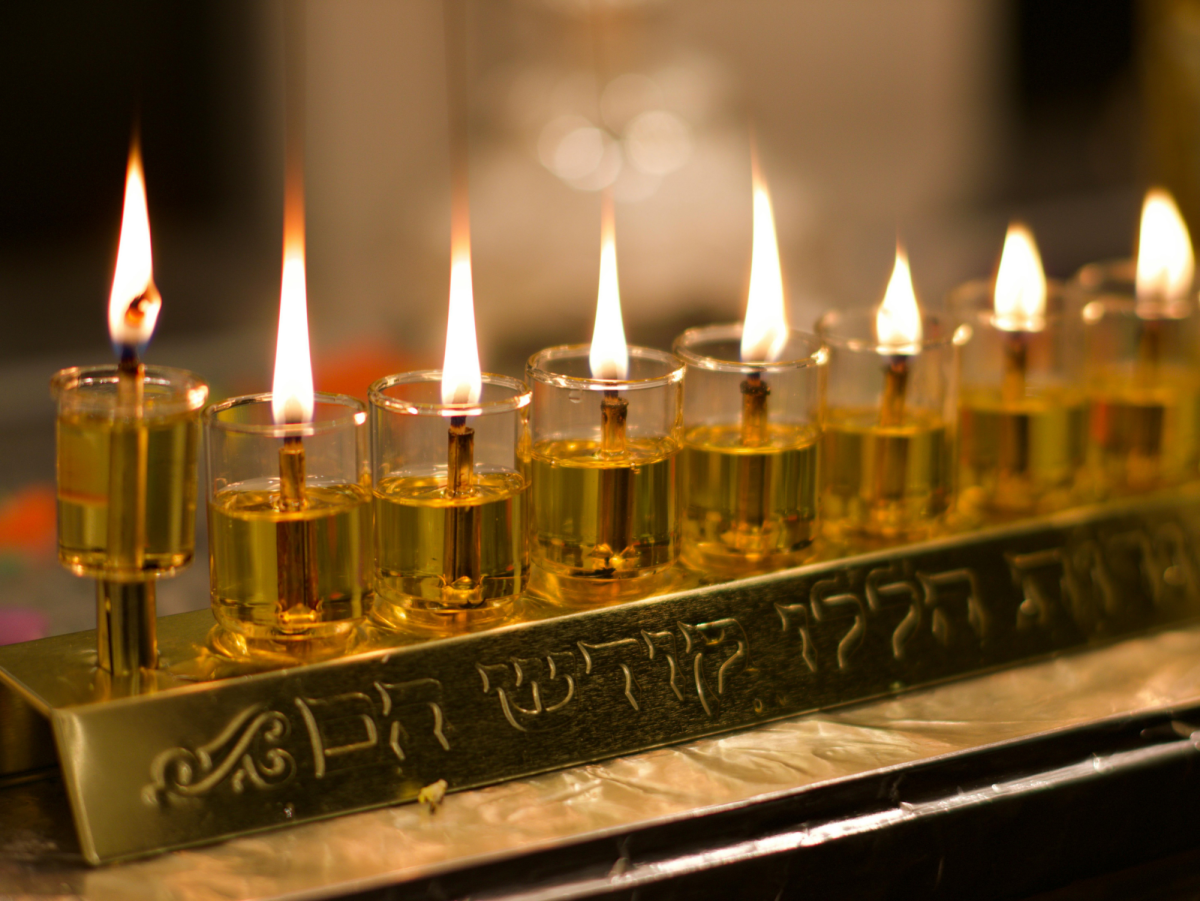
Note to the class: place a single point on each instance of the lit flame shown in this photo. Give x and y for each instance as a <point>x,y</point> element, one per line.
<point>898,322</point>
<point>1020,296</point>
<point>609,356</point>
<point>292,391</point>
<point>765,331</point>
<point>1165,264</point>
<point>134,302</point>
<point>462,382</point>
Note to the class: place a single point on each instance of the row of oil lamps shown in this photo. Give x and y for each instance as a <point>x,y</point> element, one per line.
<point>745,450</point>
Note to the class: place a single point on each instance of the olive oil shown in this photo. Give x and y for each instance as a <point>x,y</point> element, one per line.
<point>410,520</point>
<point>603,526</point>
<point>748,508</point>
<point>86,446</point>
<point>885,481</point>
<point>1021,457</point>
<point>247,526</point>
<point>1144,436</point>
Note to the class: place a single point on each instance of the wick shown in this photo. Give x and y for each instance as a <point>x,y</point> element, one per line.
<point>1149,352</point>
<point>295,540</point>
<point>614,411</point>
<point>754,410</point>
<point>1016,347</point>
<point>895,386</point>
<point>292,475</point>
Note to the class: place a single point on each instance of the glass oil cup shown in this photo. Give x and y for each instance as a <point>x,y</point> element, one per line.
<point>1023,409</point>
<point>748,470</point>
<point>605,513</point>
<point>887,480</point>
<point>450,494</point>
<point>99,445</point>
<point>290,574</point>
<point>1143,379</point>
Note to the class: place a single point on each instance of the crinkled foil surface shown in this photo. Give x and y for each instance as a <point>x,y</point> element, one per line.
<point>381,847</point>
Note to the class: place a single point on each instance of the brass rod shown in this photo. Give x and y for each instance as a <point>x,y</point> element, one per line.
<point>615,526</point>
<point>752,473</point>
<point>892,457</point>
<point>462,543</point>
<point>125,628</point>
<point>295,539</point>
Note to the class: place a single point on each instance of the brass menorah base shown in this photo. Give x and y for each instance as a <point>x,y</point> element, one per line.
<point>207,747</point>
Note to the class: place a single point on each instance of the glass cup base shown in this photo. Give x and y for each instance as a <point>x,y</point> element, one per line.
<point>283,649</point>
<point>583,592</point>
<point>410,614</point>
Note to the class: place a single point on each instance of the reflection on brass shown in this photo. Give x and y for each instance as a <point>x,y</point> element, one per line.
<point>205,756</point>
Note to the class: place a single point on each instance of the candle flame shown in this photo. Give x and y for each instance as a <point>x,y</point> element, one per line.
<point>462,382</point>
<point>134,303</point>
<point>898,322</point>
<point>765,330</point>
<point>609,356</point>
<point>1165,263</point>
<point>1020,293</point>
<point>292,391</point>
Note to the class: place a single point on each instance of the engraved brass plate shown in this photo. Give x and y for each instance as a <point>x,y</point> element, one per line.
<point>192,761</point>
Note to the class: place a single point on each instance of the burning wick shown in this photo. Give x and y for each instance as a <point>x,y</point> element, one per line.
<point>1164,274</point>
<point>609,360</point>
<point>898,329</point>
<point>765,329</point>
<point>292,396</point>
<point>126,622</point>
<point>1020,306</point>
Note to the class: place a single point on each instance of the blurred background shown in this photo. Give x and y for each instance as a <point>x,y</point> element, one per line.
<point>935,119</point>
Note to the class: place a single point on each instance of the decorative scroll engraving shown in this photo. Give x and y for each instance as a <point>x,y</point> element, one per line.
<point>795,616</point>
<point>827,597</point>
<point>937,590</point>
<point>532,690</point>
<point>895,581</point>
<point>246,752</point>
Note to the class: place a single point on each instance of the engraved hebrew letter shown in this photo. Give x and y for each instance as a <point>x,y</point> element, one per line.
<point>625,652</point>
<point>535,693</point>
<point>338,725</point>
<point>1089,568</point>
<point>795,618</point>
<point>1177,563</point>
<point>661,646</point>
<point>404,702</point>
<point>827,602</point>
<point>721,645</point>
<point>939,591</point>
<point>1037,608</point>
<point>885,582</point>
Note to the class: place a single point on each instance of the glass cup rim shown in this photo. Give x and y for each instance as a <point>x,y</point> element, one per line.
<point>521,396</point>
<point>536,369</point>
<point>189,391</point>
<point>1095,282</point>
<point>828,333</point>
<point>356,416</point>
<point>732,331</point>
<point>971,302</point>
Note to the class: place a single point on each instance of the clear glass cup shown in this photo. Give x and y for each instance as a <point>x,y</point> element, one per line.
<point>450,487</point>
<point>1023,408</point>
<point>102,446</point>
<point>748,471</point>
<point>289,525</point>
<point>605,509</point>
<point>889,428</point>
<point>1143,379</point>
